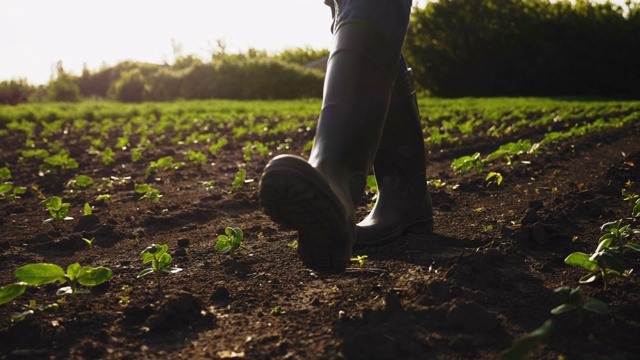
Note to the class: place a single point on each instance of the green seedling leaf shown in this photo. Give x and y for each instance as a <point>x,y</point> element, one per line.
<point>5,173</point>
<point>372,183</point>
<point>40,274</point>
<point>73,271</point>
<point>232,240</point>
<point>11,291</point>
<point>520,350</point>
<point>87,209</point>
<point>238,180</point>
<point>495,176</point>
<point>581,259</point>
<point>5,187</point>
<point>632,246</point>
<point>89,276</point>
<point>463,164</point>
<point>159,259</point>
<point>636,209</point>
<point>610,226</point>
<point>595,306</point>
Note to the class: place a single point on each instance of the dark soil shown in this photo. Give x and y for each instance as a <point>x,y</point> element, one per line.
<point>481,281</point>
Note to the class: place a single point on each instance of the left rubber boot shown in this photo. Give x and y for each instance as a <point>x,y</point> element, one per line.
<point>403,204</point>
<point>318,197</point>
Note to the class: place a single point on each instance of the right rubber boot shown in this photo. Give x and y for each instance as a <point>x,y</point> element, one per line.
<point>403,204</point>
<point>318,197</point>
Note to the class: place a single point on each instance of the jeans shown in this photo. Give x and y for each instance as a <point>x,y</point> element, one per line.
<point>391,17</point>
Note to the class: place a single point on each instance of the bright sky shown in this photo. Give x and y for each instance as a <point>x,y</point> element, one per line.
<point>35,34</point>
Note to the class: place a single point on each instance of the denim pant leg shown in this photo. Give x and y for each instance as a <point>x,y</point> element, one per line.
<point>391,17</point>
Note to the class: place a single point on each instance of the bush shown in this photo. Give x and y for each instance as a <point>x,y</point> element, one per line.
<point>130,87</point>
<point>63,89</point>
<point>13,92</point>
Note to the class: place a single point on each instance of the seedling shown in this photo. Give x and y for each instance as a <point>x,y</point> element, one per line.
<point>87,210</point>
<point>57,209</point>
<point>231,241</point>
<point>35,310</point>
<point>5,193</point>
<point>213,149</point>
<point>159,259</point>
<point>165,163</point>
<point>76,275</point>
<point>436,183</point>
<point>105,198</point>
<point>11,291</point>
<point>5,173</point>
<point>209,185</point>
<point>80,182</point>
<point>607,260</point>
<point>196,157</point>
<point>494,178</point>
<point>89,242</point>
<point>239,179</point>
<point>520,350</point>
<point>464,164</point>
<point>107,156</point>
<point>148,192</point>
<point>360,259</point>
<point>58,162</point>
<point>574,300</point>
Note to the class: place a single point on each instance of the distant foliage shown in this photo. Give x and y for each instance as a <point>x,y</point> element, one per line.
<point>14,92</point>
<point>525,47</point>
<point>253,74</point>
<point>64,88</point>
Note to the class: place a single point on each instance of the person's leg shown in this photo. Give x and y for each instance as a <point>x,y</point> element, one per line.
<point>403,203</point>
<point>318,197</point>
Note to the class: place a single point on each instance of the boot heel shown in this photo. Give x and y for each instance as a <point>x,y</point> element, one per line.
<point>422,227</point>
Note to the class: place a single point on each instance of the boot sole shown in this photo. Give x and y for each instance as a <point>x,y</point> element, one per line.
<point>294,194</point>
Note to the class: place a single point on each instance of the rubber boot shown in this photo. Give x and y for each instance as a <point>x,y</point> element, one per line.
<point>403,204</point>
<point>318,197</point>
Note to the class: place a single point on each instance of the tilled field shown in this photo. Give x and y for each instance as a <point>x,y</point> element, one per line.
<point>481,282</point>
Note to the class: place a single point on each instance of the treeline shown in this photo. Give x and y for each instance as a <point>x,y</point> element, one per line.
<point>526,48</point>
<point>456,48</point>
<point>253,74</point>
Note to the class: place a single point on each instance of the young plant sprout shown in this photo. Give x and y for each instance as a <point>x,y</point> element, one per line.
<point>80,182</point>
<point>159,259</point>
<point>574,299</point>
<point>76,275</point>
<point>35,310</point>
<point>239,179</point>
<point>87,210</point>
<point>607,260</point>
<point>89,242</point>
<point>231,241</point>
<point>11,291</point>
<point>494,177</point>
<point>148,192</point>
<point>360,259</point>
<point>57,209</point>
